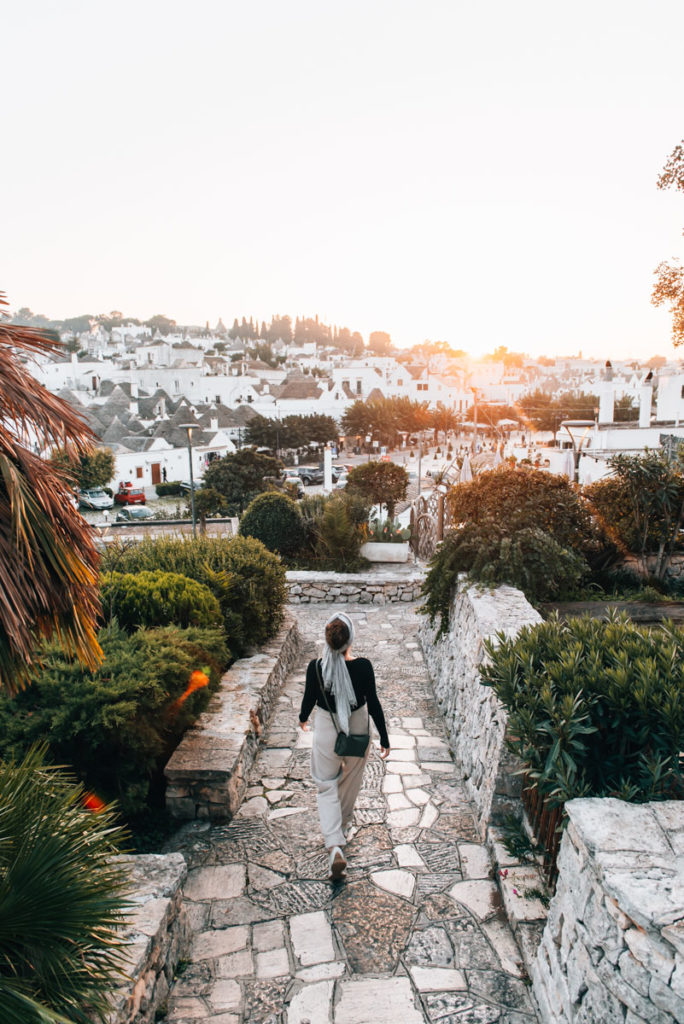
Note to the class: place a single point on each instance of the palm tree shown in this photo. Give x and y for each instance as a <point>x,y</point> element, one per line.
<point>48,563</point>
<point>62,945</point>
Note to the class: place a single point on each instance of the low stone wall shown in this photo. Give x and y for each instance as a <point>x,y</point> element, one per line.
<point>206,774</point>
<point>382,586</point>
<point>157,933</point>
<point>613,946</point>
<point>475,719</point>
<point>675,570</point>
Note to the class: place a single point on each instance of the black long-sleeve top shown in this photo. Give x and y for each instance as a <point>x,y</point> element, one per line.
<point>363,680</point>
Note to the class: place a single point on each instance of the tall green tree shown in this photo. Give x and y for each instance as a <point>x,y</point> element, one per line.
<point>87,469</point>
<point>381,483</point>
<point>239,477</point>
<point>654,492</point>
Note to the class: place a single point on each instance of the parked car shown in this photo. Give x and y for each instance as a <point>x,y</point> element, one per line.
<point>133,514</point>
<point>130,496</point>
<point>310,475</point>
<point>95,498</point>
<point>291,481</point>
<point>186,487</point>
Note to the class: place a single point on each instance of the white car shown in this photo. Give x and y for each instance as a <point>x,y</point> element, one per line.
<point>95,498</point>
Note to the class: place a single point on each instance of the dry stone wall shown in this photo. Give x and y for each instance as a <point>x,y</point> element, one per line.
<point>613,946</point>
<point>157,934</point>
<point>379,587</point>
<point>475,719</point>
<point>206,775</point>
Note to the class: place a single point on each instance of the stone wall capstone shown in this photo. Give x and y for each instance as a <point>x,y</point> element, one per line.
<point>474,717</point>
<point>613,946</point>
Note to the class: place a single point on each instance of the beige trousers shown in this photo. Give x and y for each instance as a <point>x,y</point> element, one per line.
<point>338,778</point>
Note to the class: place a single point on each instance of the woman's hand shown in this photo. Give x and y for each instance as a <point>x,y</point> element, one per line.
<point>304,726</point>
<point>384,753</point>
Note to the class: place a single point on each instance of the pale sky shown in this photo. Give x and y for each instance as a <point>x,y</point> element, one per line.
<point>475,171</point>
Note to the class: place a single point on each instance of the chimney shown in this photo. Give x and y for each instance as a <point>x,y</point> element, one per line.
<point>133,408</point>
<point>606,402</point>
<point>645,400</point>
<point>134,388</point>
<point>213,423</point>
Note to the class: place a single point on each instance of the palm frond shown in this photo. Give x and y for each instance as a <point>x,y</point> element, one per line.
<point>48,561</point>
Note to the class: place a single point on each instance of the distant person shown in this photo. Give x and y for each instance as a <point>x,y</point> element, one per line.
<point>342,688</point>
<point>164,474</point>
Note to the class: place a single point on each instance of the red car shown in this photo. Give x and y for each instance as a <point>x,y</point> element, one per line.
<point>129,495</point>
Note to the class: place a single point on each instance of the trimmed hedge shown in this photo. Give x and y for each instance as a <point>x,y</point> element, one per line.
<point>171,487</point>
<point>118,725</point>
<point>274,519</point>
<point>247,580</point>
<point>158,599</point>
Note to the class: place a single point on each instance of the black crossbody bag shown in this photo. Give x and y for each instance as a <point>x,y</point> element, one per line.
<point>353,744</point>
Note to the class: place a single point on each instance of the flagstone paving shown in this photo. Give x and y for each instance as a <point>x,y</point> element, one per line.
<point>415,934</point>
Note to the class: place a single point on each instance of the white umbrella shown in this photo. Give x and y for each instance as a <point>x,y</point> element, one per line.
<point>497,458</point>
<point>466,474</point>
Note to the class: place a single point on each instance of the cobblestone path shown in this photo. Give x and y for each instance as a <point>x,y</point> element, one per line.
<point>414,935</point>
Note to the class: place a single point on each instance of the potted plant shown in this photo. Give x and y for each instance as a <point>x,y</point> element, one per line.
<point>385,542</point>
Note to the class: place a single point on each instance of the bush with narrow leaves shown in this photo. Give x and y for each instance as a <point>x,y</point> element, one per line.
<point>528,559</point>
<point>116,726</point>
<point>594,708</point>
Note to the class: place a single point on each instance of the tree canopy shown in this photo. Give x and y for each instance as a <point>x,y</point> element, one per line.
<point>382,483</point>
<point>86,469</point>
<point>239,477</point>
<point>669,286</point>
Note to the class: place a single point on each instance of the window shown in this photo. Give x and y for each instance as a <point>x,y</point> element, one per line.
<point>400,382</point>
<point>682,395</point>
<point>138,472</point>
<point>421,387</point>
<point>217,400</point>
<point>176,386</point>
<point>358,387</point>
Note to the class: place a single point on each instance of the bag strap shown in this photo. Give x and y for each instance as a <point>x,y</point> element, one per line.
<point>325,698</point>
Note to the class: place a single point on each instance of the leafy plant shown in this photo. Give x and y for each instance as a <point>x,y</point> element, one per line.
<point>386,532</point>
<point>117,725</point>
<point>528,559</point>
<point>61,898</point>
<point>247,580</point>
<point>86,469</point>
<point>239,477</point>
<point>339,539</point>
<point>158,599</point>
<point>595,708</point>
<point>168,487</point>
<point>274,519</point>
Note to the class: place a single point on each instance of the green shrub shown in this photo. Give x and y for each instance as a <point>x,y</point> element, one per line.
<point>158,599</point>
<point>247,580</point>
<point>171,487</point>
<point>274,519</point>
<point>528,559</point>
<point>339,539</point>
<point>520,499</point>
<point>61,899</point>
<point>595,708</point>
<point>116,726</point>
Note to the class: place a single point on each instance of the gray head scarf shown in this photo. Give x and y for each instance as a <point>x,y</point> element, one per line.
<point>336,676</point>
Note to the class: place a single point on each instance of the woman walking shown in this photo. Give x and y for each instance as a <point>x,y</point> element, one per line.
<point>343,689</point>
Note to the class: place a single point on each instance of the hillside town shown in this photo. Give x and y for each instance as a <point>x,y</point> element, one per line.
<point>138,387</point>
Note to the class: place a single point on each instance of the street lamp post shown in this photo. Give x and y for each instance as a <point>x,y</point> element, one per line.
<point>189,427</point>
